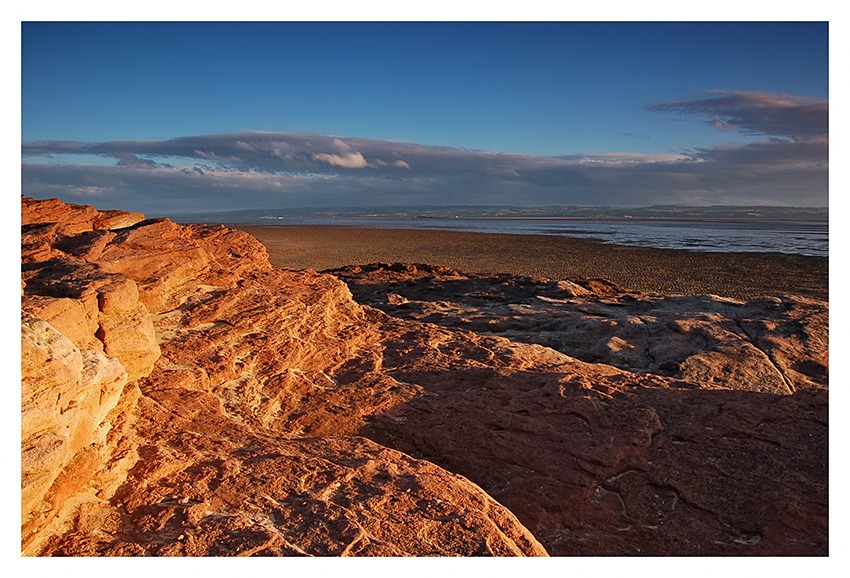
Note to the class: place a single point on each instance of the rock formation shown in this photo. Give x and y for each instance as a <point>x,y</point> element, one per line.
<point>180,396</point>
<point>770,344</point>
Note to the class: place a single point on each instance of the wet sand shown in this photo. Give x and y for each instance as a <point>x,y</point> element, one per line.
<point>737,275</point>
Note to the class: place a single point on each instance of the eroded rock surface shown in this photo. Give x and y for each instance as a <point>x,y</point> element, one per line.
<point>209,449</point>
<point>771,344</point>
<point>66,396</point>
<point>281,416</point>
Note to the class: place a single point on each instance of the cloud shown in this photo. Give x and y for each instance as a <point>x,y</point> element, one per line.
<point>128,159</point>
<point>786,163</point>
<point>352,160</point>
<point>759,113</point>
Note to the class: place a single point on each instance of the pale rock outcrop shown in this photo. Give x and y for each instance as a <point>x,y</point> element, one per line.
<point>108,303</point>
<point>66,396</point>
<point>84,335</point>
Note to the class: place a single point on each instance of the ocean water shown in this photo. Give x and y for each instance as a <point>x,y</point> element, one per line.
<point>740,235</point>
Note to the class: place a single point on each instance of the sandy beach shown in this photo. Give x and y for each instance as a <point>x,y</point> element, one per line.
<point>736,275</point>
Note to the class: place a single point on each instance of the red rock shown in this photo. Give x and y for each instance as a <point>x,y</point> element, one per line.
<point>239,340</point>
<point>170,262</point>
<point>284,417</point>
<point>66,397</point>
<point>109,303</point>
<point>776,345</point>
<point>72,219</point>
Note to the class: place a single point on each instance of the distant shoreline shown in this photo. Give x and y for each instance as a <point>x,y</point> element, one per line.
<point>715,213</point>
<point>617,219</point>
<point>666,271</point>
<point>797,237</point>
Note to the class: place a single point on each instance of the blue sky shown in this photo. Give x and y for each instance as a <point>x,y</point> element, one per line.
<point>190,116</point>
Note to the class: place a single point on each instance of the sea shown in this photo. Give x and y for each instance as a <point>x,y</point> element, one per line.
<point>759,236</point>
<point>706,230</point>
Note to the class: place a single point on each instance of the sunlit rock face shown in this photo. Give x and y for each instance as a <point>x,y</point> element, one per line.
<point>67,394</point>
<point>183,397</point>
<point>155,355</point>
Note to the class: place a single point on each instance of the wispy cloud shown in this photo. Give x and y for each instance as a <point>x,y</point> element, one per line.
<point>759,113</point>
<point>269,169</point>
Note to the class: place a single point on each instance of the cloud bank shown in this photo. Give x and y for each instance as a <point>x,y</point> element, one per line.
<point>786,164</point>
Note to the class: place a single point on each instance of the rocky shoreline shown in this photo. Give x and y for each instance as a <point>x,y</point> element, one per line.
<point>182,396</point>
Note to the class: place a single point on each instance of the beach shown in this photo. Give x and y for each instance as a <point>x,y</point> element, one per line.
<point>664,271</point>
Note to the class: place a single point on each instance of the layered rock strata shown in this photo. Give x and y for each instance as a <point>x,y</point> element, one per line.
<point>156,359</point>
<point>183,397</point>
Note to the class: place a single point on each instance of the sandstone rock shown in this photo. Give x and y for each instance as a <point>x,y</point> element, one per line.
<point>170,261</point>
<point>542,432</point>
<point>241,341</point>
<point>116,220</point>
<point>66,396</point>
<point>69,219</point>
<point>109,303</point>
<point>246,495</point>
<point>284,417</point>
<point>84,333</point>
<point>37,242</point>
<point>70,317</point>
<point>72,219</point>
<point>600,462</point>
<point>776,345</point>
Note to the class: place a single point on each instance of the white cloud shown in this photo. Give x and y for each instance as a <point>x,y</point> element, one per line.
<point>352,160</point>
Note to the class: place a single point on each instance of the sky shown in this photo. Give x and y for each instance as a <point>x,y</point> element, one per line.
<point>181,117</point>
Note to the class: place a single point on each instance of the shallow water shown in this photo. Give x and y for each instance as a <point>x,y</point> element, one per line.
<point>758,236</point>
